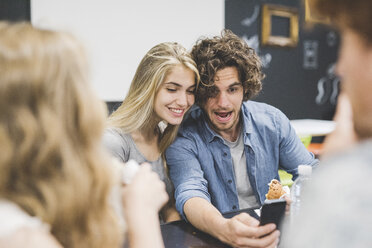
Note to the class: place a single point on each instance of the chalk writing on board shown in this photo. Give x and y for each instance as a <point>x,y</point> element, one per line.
<point>249,20</point>
<point>310,54</point>
<point>328,87</point>
<point>254,42</point>
<point>331,39</point>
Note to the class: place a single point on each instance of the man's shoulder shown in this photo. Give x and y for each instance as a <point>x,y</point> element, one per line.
<point>351,167</point>
<point>360,155</point>
<point>347,172</point>
<point>259,107</point>
<point>259,112</point>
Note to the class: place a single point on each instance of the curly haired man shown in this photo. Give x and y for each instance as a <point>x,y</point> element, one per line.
<point>229,148</point>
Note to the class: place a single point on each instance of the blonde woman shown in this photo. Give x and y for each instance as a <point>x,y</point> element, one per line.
<point>55,180</point>
<point>147,121</point>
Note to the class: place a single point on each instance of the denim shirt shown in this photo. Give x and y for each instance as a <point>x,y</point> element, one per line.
<point>200,164</point>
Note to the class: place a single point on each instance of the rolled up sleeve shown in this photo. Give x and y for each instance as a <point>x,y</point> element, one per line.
<point>185,172</point>
<point>292,152</point>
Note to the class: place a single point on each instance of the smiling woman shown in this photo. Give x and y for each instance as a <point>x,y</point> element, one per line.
<point>176,95</point>
<point>161,92</point>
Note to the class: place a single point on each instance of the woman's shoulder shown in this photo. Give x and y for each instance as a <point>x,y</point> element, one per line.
<point>114,132</point>
<point>13,217</point>
<point>118,143</point>
<point>18,229</point>
<point>115,137</point>
<point>29,237</point>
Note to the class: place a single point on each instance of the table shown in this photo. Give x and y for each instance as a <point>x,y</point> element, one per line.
<point>181,234</point>
<point>313,127</point>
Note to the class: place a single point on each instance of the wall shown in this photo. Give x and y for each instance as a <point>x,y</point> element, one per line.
<point>15,10</point>
<point>117,33</point>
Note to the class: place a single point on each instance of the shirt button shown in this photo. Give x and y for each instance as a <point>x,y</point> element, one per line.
<point>234,207</point>
<point>224,154</point>
<point>229,181</point>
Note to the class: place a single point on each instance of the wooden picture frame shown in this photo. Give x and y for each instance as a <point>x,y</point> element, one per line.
<point>312,16</point>
<point>268,11</point>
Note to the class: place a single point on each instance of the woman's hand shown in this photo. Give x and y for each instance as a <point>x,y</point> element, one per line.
<point>146,192</point>
<point>142,199</point>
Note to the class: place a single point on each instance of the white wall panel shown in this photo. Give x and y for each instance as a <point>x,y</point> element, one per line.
<point>117,33</point>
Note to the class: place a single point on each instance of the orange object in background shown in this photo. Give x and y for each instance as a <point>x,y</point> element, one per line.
<point>315,148</point>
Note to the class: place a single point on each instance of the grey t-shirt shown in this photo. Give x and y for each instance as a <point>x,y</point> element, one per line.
<point>122,147</point>
<point>336,207</point>
<point>246,196</point>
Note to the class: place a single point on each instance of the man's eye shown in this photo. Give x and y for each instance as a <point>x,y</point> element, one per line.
<point>232,90</point>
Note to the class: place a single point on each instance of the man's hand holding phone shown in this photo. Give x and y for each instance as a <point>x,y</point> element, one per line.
<point>273,212</point>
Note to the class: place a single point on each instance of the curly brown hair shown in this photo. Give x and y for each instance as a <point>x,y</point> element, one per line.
<point>353,14</point>
<point>219,52</point>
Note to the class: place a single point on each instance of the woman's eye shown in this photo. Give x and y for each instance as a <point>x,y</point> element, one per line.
<point>191,92</point>
<point>171,90</point>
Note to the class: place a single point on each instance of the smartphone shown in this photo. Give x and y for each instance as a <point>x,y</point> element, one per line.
<point>273,212</point>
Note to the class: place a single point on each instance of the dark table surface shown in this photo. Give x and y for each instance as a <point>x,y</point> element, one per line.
<point>181,234</point>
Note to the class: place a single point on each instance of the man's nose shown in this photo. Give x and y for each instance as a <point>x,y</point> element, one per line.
<point>222,99</point>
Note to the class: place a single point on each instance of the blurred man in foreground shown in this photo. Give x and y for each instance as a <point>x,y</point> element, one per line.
<point>337,205</point>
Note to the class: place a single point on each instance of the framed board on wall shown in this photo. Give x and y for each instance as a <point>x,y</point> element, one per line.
<point>300,78</point>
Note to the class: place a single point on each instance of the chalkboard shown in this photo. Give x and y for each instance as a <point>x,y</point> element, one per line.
<point>300,79</point>
<point>15,10</point>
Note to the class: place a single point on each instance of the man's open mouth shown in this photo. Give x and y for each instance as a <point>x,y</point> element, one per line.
<point>223,116</point>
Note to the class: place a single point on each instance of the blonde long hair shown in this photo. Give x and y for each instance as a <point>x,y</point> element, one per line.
<point>137,108</point>
<point>52,163</point>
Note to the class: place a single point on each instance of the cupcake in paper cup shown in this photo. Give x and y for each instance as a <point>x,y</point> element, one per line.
<point>276,191</point>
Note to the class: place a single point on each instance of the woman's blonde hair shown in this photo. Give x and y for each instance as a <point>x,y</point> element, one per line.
<point>52,163</point>
<point>137,108</point>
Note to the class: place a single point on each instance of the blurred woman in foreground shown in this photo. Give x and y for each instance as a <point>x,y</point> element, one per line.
<point>55,178</point>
